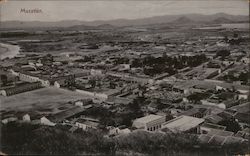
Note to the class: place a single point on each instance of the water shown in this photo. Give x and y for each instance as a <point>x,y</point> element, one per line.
<point>230,26</point>
<point>8,50</point>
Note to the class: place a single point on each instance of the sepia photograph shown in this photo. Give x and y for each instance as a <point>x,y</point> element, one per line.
<point>124,77</point>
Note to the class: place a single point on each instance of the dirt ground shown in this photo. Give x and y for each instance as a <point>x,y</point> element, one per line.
<point>50,100</point>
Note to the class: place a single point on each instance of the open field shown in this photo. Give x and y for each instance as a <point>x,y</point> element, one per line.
<point>45,100</point>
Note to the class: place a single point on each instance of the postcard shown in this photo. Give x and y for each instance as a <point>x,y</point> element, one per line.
<point>124,77</point>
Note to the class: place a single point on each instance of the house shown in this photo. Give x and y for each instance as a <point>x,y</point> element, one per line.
<point>242,108</point>
<point>227,86</point>
<point>213,102</point>
<point>63,115</point>
<point>213,119</point>
<point>125,66</point>
<point>96,72</point>
<point>245,133</point>
<point>208,127</point>
<point>26,118</point>
<point>118,130</point>
<point>9,119</point>
<point>243,96</point>
<point>87,124</point>
<point>243,118</point>
<point>245,60</point>
<point>60,83</point>
<point>218,140</point>
<point>84,103</point>
<point>31,78</point>
<point>183,124</point>
<point>46,121</point>
<point>149,123</point>
<point>195,112</point>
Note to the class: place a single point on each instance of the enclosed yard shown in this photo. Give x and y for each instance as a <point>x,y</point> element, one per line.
<point>41,100</point>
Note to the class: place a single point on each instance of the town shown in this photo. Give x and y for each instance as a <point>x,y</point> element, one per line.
<point>122,81</point>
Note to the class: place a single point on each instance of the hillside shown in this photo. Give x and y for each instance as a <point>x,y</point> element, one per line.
<point>188,18</point>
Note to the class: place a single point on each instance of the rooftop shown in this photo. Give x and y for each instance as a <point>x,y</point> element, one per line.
<point>220,132</point>
<point>219,140</point>
<point>183,123</point>
<point>148,118</point>
<point>214,126</point>
<point>241,108</point>
<point>58,117</point>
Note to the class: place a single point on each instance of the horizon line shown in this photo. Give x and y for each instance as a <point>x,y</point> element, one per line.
<point>123,18</point>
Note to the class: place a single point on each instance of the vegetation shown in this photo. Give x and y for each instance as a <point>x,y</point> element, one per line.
<point>15,34</point>
<point>153,66</point>
<point>231,125</point>
<point>223,53</point>
<point>23,139</point>
<point>108,118</point>
<point>243,77</point>
<point>196,97</point>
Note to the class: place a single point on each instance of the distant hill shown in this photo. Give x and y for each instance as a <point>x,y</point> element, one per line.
<point>222,20</point>
<point>182,19</point>
<point>85,27</point>
<point>110,24</point>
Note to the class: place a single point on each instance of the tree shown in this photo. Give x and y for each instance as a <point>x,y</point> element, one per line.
<point>92,82</point>
<point>231,125</point>
<point>4,79</point>
<point>223,53</point>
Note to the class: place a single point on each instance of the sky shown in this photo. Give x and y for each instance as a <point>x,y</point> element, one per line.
<point>87,10</point>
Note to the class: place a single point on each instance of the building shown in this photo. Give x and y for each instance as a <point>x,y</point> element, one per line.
<point>20,89</point>
<point>243,96</point>
<point>242,108</point>
<point>29,78</point>
<point>84,103</point>
<point>242,118</point>
<point>195,112</point>
<point>63,115</point>
<point>213,102</point>
<point>150,122</point>
<point>183,124</point>
<point>87,124</point>
<point>218,140</point>
<point>10,119</point>
<point>46,121</point>
<point>26,118</point>
<point>245,133</point>
<point>207,127</point>
<point>96,72</point>
<point>113,131</point>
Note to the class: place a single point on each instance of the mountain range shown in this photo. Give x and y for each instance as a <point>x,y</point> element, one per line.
<point>109,24</point>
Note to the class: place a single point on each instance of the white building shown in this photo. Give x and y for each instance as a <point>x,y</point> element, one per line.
<point>45,121</point>
<point>87,124</point>
<point>96,72</point>
<point>26,118</point>
<point>150,122</point>
<point>209,103</point>
<point>118,131</point>
<point>184,124</point>
<point>10,119</point>
<point>29,78</point>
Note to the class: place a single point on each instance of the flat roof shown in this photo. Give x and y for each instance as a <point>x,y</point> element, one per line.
<point>241,108</point>
<point>183,123</point>
<point>148,118</point>
<point>220,132</point>
<point>214,126</point>
<point>219,140</point>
